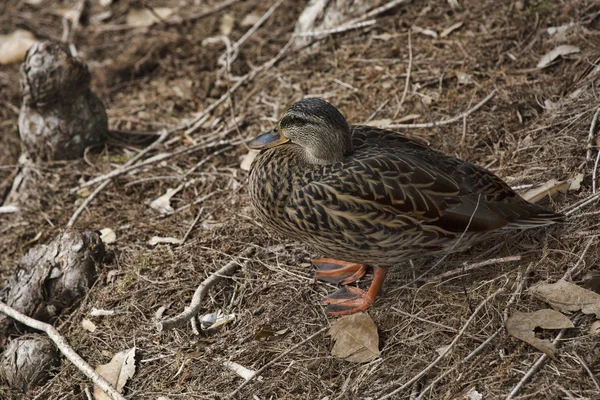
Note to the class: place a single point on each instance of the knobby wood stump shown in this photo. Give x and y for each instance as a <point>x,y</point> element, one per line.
<point>60,116</point>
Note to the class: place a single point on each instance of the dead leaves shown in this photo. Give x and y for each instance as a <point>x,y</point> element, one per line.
<point>117,372</point>
<point>563,296</point>
<point>356,338</point>
<point>147,17</point>
<point>552,188</point>
<point>14,46</point>
<point>567,297</point>
<point>562,50</point>
<point>521,326</point>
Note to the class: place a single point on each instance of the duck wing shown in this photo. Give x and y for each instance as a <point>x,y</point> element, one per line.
<point>399,185</point>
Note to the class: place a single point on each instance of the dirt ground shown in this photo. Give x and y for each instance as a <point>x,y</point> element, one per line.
<point>534,129</point>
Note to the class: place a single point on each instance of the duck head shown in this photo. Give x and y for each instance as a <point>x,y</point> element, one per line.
<point>314,125</point>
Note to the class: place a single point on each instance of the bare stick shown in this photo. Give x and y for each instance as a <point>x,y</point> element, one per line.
<point>589,371</point>
<point>535,368</point>
<point>450,120</point>
<point>577,206</point>
<point>64,347</point>
<point>591,134</point>
<point>101,187</point>
<point>446,350</point>
<point>594,172</point>
<point>538,364</point>
<point>573,270</point>
<point>480,348</point>
<point>339,29</point>
<point>264,367</point>
<point>163,23</point>
<point>469,267</point>
<point>408,70</point>
<point>190,312</point>
<point>85,203</point>
<point>195,123</point>
<point>192,124</point>
<point>152,160</point>
<point>203,14</point>
<point>455,366</point>
<point>232,53</point>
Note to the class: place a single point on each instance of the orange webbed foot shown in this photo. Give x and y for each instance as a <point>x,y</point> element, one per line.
<point>348,300</point>
<point>338,272</point>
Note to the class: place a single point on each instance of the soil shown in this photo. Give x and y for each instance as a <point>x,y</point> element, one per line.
<point>534,129</point>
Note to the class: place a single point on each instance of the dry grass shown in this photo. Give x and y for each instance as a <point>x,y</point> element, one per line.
<point>159,77</point>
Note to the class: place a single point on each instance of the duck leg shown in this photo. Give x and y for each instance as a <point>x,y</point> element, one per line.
<point>336,271</point>
<point>350,299</point>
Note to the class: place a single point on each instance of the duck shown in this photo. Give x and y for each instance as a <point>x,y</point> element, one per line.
<point>365,197</point>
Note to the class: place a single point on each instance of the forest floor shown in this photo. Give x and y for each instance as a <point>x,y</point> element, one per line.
<point>532,130</point>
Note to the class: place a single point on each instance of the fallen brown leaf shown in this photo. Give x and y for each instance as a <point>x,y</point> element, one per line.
<point>14,46</point>
<point>117,372</point>
<point>568,297</point>
<point>552,188</point>
<point>146,17</point>
<point>559,51</point>
<point>521,326</point>
<point>356,338</point>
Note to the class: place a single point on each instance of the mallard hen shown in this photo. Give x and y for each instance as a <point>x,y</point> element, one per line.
<point>373,197</point>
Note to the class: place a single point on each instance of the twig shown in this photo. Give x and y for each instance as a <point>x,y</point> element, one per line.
<point>589,371</point>
<point>192,124</point>
<point>591,134</point>
<point>232,52</point>
<point>480,348</point>
<point>101,187</point>
<point>64,347</point>
<point>594,171</point>
<point>469,267</point>
<point>228,80</point>
<point>380,10</point>
<point>538,364</point>
<point>194,307</point>
<point>85,203</point>
<point>128,167</point>
<point>579,205</point>
<point>192,225</point>
<point>408,70</point>
<point>79,8</point>
<point>573,270</point>
<point>339,29</point>
<point>374,114</point>
<point>446,350</point>
<point>450,120</point>
<point>471,355</point>
<point>264,367</point>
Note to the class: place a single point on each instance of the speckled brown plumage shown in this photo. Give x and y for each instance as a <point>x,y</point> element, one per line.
<point>391,199</point>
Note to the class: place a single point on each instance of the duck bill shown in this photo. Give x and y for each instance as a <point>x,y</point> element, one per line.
<point>267,140</point>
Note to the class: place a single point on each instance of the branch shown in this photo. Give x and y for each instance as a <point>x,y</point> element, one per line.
<point>591,134</point>
<point>447,121</point>
<point>190,312</point>
<point>447,349</point>
<point>257,373</point>
<point>64,348</point>
<point>469,267</point>
<point>190,125</point>
<point>544,357</point>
